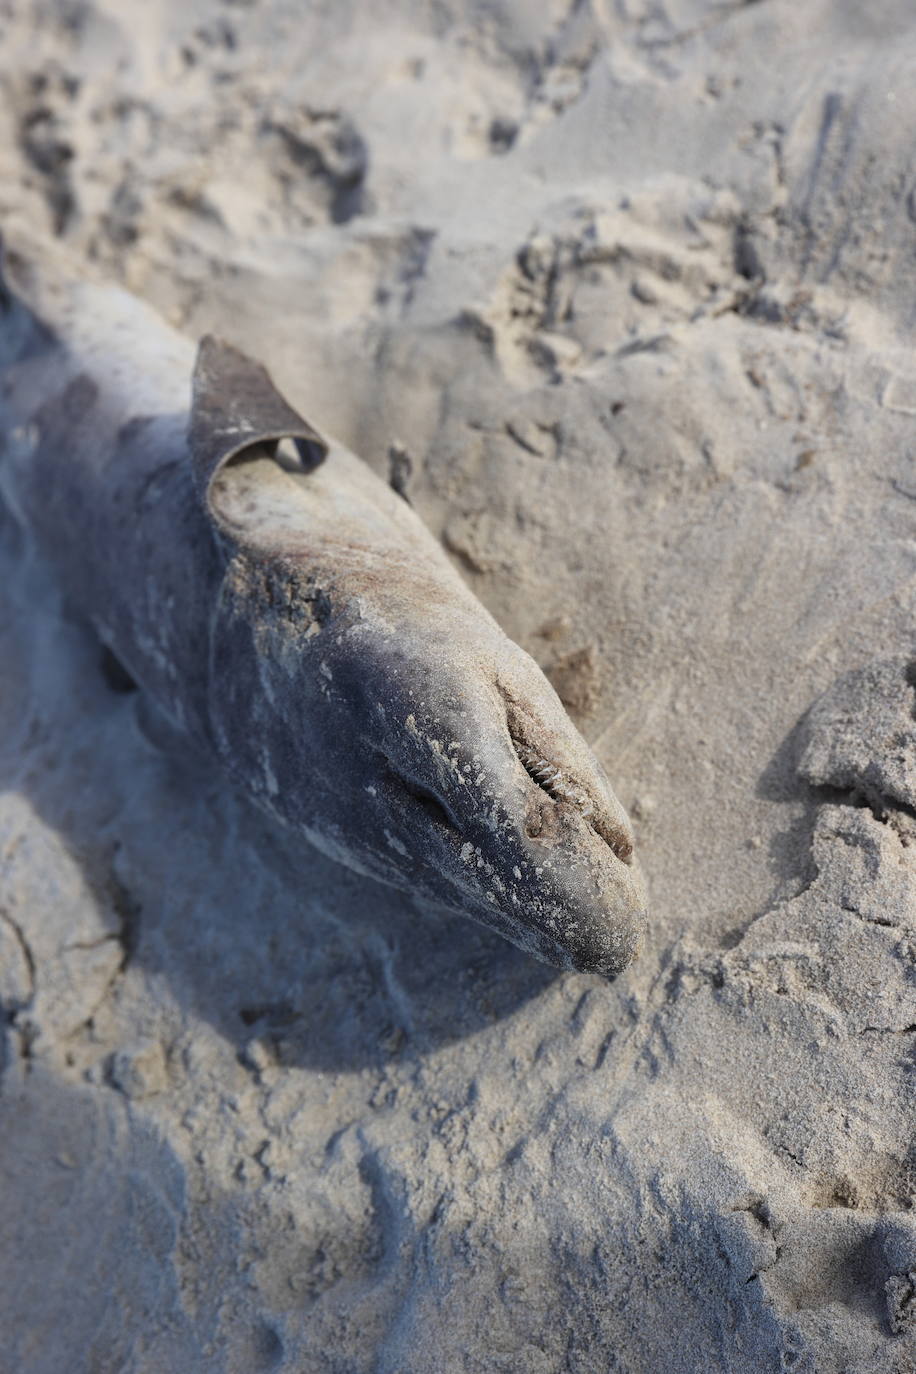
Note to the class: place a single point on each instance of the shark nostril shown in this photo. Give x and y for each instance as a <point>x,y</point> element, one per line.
<point>432,806</point>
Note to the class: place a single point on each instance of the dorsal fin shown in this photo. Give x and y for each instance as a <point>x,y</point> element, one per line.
<point>235,406</point>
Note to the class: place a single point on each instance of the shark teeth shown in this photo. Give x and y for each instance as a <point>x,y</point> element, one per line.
<point>553,781</point>
<point>561,788</point>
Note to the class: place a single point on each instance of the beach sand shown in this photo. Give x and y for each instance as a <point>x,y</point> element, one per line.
<point>625,291</point>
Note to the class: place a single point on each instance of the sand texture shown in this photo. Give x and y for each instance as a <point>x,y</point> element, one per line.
<point>622,293</point>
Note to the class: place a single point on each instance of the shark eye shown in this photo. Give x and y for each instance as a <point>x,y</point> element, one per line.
<point>434,807</point>
<point>432,804</point>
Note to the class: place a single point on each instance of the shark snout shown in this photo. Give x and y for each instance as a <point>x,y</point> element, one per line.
<point>473,788</point>
<point>520,823</point>
<point>561,766</point>
<point>587,892</point>
<point>588,895</point>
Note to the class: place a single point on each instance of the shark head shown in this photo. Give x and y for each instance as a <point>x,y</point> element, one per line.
<point>363,695</point>
<point>476,790</point>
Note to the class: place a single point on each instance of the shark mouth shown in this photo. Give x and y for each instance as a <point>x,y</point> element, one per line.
<point>560,786</point>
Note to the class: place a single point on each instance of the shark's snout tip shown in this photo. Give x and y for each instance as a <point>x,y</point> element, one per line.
<point>607,944</point>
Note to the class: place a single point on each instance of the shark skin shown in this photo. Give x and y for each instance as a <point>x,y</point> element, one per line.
<point>292,614</point>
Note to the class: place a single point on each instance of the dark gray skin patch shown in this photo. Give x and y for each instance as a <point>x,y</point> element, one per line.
<point>77,399</point>
<point>291,613</point>
<point>115,674</point>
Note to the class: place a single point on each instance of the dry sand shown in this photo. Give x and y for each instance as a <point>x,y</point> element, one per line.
<point>633,284</point>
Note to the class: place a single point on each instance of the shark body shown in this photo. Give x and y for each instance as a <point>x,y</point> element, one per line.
<point>292,614</point>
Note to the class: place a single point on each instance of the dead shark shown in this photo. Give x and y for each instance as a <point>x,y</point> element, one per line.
<point>292,614</point>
